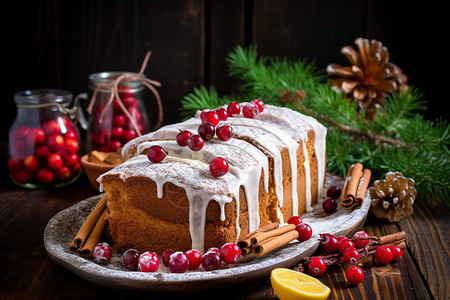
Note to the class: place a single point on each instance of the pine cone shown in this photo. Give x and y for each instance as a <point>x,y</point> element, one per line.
<point>371,76</point>
<point>393,197</point>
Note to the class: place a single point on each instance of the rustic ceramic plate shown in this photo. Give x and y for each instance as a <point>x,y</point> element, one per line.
<point>63,227</point>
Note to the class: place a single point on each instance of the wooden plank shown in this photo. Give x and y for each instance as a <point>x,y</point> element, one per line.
<point>428,241</point>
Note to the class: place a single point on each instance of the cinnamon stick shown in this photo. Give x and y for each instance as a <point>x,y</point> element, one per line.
<point>275,242</point>
<point>88,225</point>
<point>262,236</point>
<point>355,186</point>
<point>245,242</point>
<point>95,235</point>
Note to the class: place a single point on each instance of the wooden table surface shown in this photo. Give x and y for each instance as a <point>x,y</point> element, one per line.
<point>26,271</point>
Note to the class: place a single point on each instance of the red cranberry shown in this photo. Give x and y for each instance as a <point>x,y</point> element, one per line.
<point>304,232</point>
<point>102,253</point>
<point>250,111</point>
<point>223,114</point>
<point>361,243</point>
<point>156,154</point>
<point>148,262</point>
<point>317,266</point>
<point>211,261</point>
<point>259,104</point>
<point>178,262</point>
<point>329,205</point>
<point>206,131</point>
<point>31,163</point>
<point>294,220</point>
<point>129,259</point>
<point>195,259</point>
<point>14,164</point>
<point>129,134</point>
<point>329,243</point>
<point>117,131</point>
<point>224,132</point>
<point>218,167</point>
<point>165,256</point>
<point>114,145</point>
<point>182,137</point>
<point>397,253</point>
<point>354,275</point>
<point>43,152</point>
<point>35,137</point>
<point>211,116</point>
<point>230,253</point>
<point>351,256</point>
<point>23,176</point>
<point>63,173</point>
<point>71,145</point>
<point>195,142</point>
<point>213,249</point>
<point>51,127</point>
<point>119,120</point>
<point>45,176</point>
<point>54,161</point>
<point>55,141</point>
<point>383,255</point>
<point>233,109</point>
<point>71,159</point>
<point>334,192</point>
<point>344,244</point>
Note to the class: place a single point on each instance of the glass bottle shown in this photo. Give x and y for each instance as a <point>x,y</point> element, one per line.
<point>113,123</point>
<point>43,149</point>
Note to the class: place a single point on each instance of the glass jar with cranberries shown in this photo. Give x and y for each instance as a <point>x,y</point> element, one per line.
<point>44,140</point>
<point>118,112</point>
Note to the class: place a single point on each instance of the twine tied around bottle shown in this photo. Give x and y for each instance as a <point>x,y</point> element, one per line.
<point>113,85</point>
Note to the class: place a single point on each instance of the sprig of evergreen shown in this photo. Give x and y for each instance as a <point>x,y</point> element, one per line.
<point>398,139</point>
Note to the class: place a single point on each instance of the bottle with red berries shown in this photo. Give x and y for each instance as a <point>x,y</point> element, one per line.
<point>118,112</point>
<point>44,143</point>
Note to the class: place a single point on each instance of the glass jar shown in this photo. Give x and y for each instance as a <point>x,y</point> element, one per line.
<point>44,140</point>
<point>112,121</point>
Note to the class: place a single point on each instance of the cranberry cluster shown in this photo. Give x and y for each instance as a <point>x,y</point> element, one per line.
<point>303,229</point>
<point>349,249</point>
<point>115,130</point>
<point>45,154</point>
<point>175,261</point>
<point>209,128</point>
<point>329,205</point>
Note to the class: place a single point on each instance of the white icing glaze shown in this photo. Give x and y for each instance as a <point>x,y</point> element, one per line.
<point>276,128</point>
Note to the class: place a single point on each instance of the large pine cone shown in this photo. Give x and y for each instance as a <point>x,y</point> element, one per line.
<point>370,77</point>
<point>393,197</point>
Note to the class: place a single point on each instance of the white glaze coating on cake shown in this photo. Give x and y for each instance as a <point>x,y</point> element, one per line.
<point>274,129</point>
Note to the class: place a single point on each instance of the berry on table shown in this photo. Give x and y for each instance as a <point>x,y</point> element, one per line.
<point>354,275</point>
<point>317,266</point>
<point>397,253</point>
<point>178,262</point>
<point>195,259</point>
<point>148,262</point>
<point>182,137</point>
<point>156,154</point>
<point>344,244</point>
<point>304,232</point>
<point>230,253</point>
<point>102,253</point>
<point>351,256</point>
<point>294,220</point>
<point>207,131</point>
<point>383,255</point>
<point>218,167</point>
<point>195,142</point>
<point>329,243</point>
<point>329,205</point>
<point>224,132</point>
<point>361,239</point>
<point>129,259</point>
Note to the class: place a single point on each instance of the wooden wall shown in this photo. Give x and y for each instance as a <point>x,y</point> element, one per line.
<point>57,44</point>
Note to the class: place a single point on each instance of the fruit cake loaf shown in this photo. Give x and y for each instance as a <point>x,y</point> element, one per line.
<point>277,169</point>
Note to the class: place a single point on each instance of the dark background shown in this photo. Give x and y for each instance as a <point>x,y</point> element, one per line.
<point>57,44</point>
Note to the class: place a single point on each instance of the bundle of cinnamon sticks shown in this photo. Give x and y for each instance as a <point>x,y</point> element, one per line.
<point>267,238</point>
<point>91,231</point>
<point>355,186</point>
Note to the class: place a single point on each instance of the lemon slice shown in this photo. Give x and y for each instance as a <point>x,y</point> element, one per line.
<point>290,284</point>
